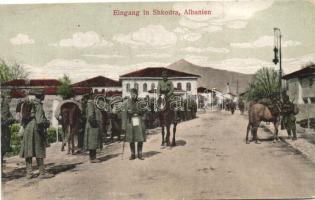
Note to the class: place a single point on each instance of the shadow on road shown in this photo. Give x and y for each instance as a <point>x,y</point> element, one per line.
<point>150,154</point>
<point>108,157</point>
<point>51,168</point>
<point>181,143</point>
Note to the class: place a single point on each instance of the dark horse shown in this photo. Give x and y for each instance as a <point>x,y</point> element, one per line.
<point>260,111</point>
<point>167,117</point>
<point>70,120</point>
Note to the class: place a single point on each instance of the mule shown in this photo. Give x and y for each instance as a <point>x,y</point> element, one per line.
<point>70,120</point>
<point>167,117</point>
<point>259,112</point>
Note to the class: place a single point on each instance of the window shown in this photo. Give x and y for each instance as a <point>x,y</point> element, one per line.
<point>128,87</point>
<point>188,86</point>
<point>152,86</point>
<point>95,91</point>
<point>103,91</point>
<point>305,99</point>
<point>136,86</point>
<point>145,87</point>
<point>312,99</point>
<point>179,86</point>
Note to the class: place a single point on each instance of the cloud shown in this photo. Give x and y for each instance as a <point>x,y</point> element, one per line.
<point>104,56</point>
<point>154,36</point>
<point>79,69</point>
<point>264,41</point>
<point>230,14</point>
<point>83,40</point>
<point>154,55</point>
<point>202,50</point>
<point>184,34</point>
<point>20,39</point>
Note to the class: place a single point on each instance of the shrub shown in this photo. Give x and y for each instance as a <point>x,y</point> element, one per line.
<point>16,140</point>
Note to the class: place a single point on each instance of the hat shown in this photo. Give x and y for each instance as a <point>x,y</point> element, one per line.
<point>134,90</point>
<point>164,73</point>
<point>36,92</point>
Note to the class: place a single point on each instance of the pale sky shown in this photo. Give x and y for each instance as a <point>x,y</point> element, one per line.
<point>86,40</point>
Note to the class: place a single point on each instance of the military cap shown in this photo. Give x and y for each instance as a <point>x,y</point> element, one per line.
<point>164,73</point>
<point>36,92</point>
<point>134,90</point>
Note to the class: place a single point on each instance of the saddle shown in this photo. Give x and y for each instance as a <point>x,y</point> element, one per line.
<point>270,105</point>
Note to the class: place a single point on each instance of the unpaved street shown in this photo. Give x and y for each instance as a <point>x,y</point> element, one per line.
<point>211,161</point>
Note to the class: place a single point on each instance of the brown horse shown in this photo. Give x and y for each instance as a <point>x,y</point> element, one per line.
<point>70,120</point>
<point>259,112</point>
<point>167,117</point>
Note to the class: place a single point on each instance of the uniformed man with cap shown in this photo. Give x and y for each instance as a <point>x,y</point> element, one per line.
<point>165,86</point>
<point>34,135</point>
<point>93,128</point>
<point>6,121</point>
<point>288,111</point>
<point>133,124</point>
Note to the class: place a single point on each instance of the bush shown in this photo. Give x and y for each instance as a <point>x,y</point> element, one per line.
<point>16,140</point>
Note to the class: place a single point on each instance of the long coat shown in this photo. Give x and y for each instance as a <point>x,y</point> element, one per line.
<point>133,133</point>
<point>34,142</point>
<point>94,126</point>
<point>6,120</point>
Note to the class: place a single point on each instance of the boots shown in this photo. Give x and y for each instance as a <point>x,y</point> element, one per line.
<point>93,157</point>
<point>140,145</point>
<point>294,134</point>
<point>289,133</point>
<point>42,172</point>
<point>133,151</point>
<point>28,162</point>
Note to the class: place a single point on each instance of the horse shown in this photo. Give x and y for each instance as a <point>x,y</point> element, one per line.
<point>70,120</point>
<point>258,112</point>
<point>167,117</point>
<point>232,107</point>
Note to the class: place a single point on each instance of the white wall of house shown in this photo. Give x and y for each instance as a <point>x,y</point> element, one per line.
<point>151,81</point>
<point>100,89</point>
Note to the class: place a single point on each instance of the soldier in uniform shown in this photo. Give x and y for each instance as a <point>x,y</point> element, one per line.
<point>34,138</point>
<point>6,121</point>
<point>133,124</point>
<point>288,111</point>
<point>93,129</point>
<point>165,86</point>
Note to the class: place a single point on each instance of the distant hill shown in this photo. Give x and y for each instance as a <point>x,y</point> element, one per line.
<point>214,78</point>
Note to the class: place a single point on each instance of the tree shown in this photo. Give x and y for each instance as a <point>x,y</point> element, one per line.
<point>10,72</point>
<point>64,88</point>
<point>264,84</point>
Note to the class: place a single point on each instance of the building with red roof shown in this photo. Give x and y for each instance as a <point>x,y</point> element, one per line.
<point>146,80</point>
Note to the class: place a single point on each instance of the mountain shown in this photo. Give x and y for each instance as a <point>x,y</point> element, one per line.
<point>214,78</point>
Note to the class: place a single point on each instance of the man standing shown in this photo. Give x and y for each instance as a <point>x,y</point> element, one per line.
<point>93,128</point>
<point>133,124</point>
<point>34,135</point>
<point>289,110</point>
<point>6,121</point>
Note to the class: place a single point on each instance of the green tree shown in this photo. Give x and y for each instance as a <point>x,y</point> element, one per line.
<point>11,71</point>
<point>64,88</point>
<point>264,84</point>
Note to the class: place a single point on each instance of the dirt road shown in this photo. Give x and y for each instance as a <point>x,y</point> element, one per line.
<point>211,161</point>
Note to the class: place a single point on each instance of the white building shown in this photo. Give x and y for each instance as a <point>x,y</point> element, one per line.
<point>301,90</point>
<point>146,81</point>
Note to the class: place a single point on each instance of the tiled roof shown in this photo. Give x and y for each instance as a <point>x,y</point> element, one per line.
<point>98,81</point>
<point>302,72</point>
<point>32,82</point>
<point>157,72</point>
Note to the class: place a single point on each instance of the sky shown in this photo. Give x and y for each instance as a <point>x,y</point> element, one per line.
<point>84,40</point>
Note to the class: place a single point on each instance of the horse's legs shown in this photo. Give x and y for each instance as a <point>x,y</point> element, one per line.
<point>168,127</point>
<point>248,129</point>
<point>72,139</point>
<point>163,133</point>
<point>174,132</point>
<point>69,138</point>
<point>254,133</point>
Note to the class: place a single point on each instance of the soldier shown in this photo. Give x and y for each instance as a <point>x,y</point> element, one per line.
<point>34,138</point>
<point>93,129</point>
<point>6,121</point>
<point>133,124</point>
<point>165,86</point>
<point>288,111</point>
